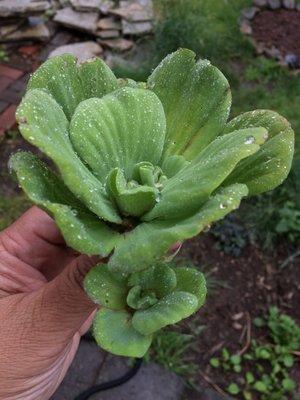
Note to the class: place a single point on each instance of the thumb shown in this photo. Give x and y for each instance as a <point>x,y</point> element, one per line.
<point>64,304</point>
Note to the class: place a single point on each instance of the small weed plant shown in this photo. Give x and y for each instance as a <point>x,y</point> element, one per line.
<point>263,372</point>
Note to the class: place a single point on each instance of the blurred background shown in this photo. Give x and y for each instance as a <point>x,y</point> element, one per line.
<point>245,342</point>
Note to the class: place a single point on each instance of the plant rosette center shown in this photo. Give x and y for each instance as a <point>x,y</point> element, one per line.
<point>141,167</point>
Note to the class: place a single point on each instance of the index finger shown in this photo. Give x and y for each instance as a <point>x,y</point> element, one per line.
<point>35,239</point>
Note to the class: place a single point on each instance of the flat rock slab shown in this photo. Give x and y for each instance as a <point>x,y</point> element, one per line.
<point>274,4</point>
<point>84,21</point>
<point>82,50</point>
<point>92,5</point>
<point>83,372</point>
<point>86,5</point>
<point>10,28</point>
<point>151,382</point>
<point>108,34</point>
<point>136,28</point>
<point>117,44</point>
<point>93,366</point>
<point>109,23</point>
<point>289,4</point>
<point>37,32</point>
<point>135,11</point>
<point>13,8</point>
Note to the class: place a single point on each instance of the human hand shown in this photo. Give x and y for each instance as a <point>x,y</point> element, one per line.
<point>43,308</point>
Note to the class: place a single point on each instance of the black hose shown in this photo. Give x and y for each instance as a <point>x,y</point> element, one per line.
<point>113,383</point>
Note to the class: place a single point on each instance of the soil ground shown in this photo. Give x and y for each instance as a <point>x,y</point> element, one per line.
<point>279,28</point>
<point>245,286</point>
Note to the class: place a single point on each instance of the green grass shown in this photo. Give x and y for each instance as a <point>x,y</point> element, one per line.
<point>208,27</point>
<point>11,207</point>
<point>170,349</point>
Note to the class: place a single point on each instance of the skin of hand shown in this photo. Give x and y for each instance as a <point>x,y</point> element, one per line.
<point>43,308</point>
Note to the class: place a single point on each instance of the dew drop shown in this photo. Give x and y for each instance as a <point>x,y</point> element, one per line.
<point>250,140</point>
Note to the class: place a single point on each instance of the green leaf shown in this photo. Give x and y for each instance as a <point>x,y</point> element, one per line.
<point>192,281</point>
<point>247,395</point>
<point>263,353</point>
<point>104,288</point>
<point>260,387</point>
<point>267,168</point>
<point>43,124</point>
<point>249,378</point>
<point>81,230</point>
<point>96,78</point>
<point>70,84</point>
<point>59,77</point>
<point>259,322</point>
<point>149,242</point>
<point>170,309</point>
<point>235,359</point>
<point>183,194</point>
<point>196,99</point>
<point>173,164</point>
<point>225,354</point>
<point>214,362</point>
<point>160,279</point>
<point>114,332</point>
<point>237,368</point>
<point>121,129</point>
<point>288,384</point>
<point>134,201</point>
<point>288,360</point>
<point>137,300</point>
<point>233,389</point>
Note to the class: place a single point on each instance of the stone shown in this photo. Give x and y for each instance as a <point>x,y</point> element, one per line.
<point>289,4</point>
<point>108,34</point>
<point>109,23</point>
<point>92,5</point>
<point>106,6</point>
<point>86,5</point>
<point>83,21</point>
<point>250,12</point>
<point>33,21</point>
<point>8,29</point>
<point>292,60</point>
<point>135,11</point>
<point>136,28</point>
<point>259,47</point>
<point>274,4</point>
<point>64,3</point>
<point>151,382</point>
<point>82,50</point>
<point>82,373</point>
<point>260,3</point>
<point>272,52</point>
<point>246,27</point>
<point>117,44</point>
<point>38,32</point>
<point>13,8</point>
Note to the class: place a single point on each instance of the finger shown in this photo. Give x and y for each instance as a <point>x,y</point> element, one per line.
<point>63,305</point>
<point>17,276</point>
<point>35,239</point>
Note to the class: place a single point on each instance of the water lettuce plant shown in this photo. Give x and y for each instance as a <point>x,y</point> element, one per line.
<point>139,168</point>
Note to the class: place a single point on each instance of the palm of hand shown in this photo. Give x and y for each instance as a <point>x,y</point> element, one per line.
<point>40,329</point>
